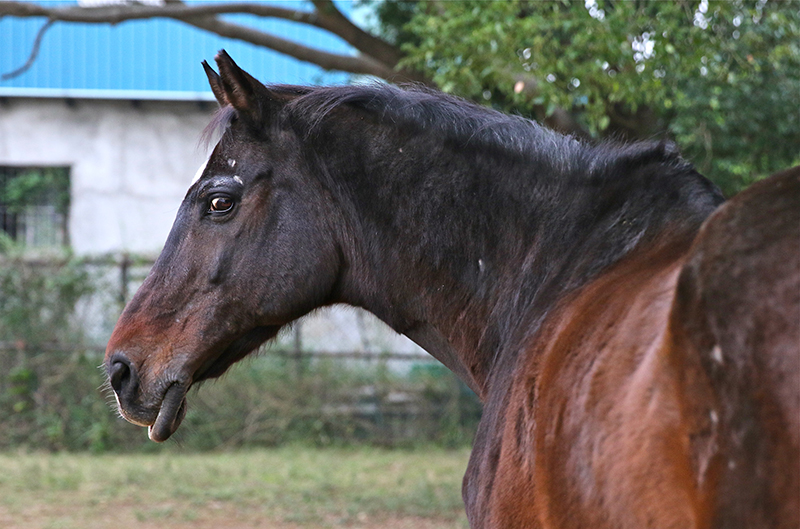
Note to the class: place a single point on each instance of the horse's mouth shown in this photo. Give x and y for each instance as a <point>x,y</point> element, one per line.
<point>163,420</point>
<point>170,415</point>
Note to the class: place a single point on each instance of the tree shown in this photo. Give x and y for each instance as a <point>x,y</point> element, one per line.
<point>720,78</point>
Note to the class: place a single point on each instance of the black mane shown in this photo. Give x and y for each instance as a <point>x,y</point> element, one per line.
<point>462,122</point>
<point>427,110</point>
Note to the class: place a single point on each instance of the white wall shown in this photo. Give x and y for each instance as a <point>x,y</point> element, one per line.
<point>130,164</point>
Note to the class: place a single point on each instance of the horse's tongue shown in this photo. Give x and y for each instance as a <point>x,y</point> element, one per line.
<point>173,408</point>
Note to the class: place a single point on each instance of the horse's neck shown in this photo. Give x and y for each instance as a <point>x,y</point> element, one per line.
<point>464,280</point>
<point>466,260</point>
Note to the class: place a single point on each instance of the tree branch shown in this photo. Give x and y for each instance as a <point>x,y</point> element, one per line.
<point>114,14</point>
<point>37,43</point>
<point>203,16</point>
<point>330,61</point>
<point>331,19</point>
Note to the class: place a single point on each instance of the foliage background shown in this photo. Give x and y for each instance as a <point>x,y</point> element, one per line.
<point>53,395</point>
<point>721,78</point>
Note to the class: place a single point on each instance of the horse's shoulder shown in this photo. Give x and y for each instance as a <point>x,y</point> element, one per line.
<point>737,312</point>
<point>746,260</point>
<point>579,379</point>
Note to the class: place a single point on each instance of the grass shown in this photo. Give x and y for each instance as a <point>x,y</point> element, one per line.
<point>292,487</point>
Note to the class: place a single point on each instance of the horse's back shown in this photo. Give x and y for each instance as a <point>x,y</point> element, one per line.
<point>738,306</point>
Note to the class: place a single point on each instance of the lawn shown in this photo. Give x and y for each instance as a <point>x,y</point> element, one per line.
<point>285,488</point>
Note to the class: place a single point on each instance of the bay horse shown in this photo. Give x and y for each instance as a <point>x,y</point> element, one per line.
<point>633,340</point>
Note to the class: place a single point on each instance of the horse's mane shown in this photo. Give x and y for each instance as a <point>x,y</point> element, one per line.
<point>216,127</point>
<point>461,122</point>
<point>472,126</point>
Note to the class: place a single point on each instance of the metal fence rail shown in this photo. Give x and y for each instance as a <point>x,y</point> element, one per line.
<point>98,350</point>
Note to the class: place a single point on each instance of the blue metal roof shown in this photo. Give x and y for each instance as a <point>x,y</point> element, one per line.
<point>154,58</point>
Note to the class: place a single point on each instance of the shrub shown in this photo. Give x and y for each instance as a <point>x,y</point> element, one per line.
<point>51,395</point>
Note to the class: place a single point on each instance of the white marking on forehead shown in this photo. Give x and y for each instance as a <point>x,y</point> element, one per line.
<point>231,162</point>
<point>716,354</point>
<point>199,173</point>
<point>237,179</point>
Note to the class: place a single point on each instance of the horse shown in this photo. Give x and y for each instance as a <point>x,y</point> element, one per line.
<point>632,336</point>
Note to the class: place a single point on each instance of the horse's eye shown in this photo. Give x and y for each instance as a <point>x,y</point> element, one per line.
<point>221,205</point>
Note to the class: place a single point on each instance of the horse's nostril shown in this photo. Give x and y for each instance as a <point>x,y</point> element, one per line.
<point>119,373</point>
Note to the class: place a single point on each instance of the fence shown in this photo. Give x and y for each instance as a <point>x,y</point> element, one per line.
<point>368,385</point>
<point>106,283</point>
<point>53,398</point>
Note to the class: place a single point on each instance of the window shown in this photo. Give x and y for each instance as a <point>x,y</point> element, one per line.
<point>34,206</point>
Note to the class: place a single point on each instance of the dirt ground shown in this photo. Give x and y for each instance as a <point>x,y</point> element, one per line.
<point>210,516</point>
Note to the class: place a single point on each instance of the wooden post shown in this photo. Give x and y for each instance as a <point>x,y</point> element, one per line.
<point>298,349</point>
<point>124,267</point>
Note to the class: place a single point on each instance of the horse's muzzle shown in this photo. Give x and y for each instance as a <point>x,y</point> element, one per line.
<point>162,414</point>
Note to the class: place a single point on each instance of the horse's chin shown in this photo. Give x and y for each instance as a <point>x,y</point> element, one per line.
<point>170,415</point>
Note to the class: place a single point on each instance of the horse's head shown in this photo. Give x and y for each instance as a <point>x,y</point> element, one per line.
<point>253,247</point>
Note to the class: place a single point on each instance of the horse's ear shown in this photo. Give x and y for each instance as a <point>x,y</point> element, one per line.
<point>216,84</point>
<point>252,100</point>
